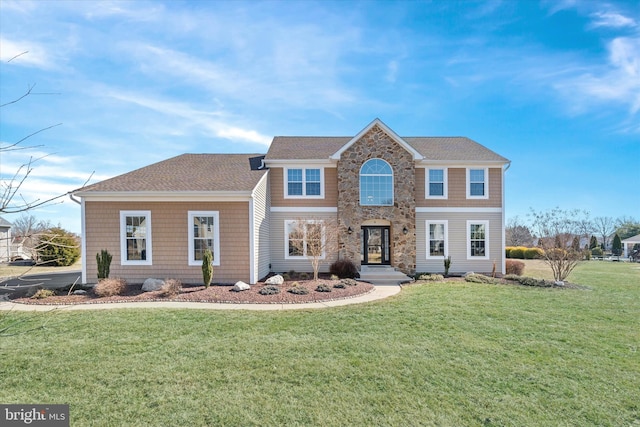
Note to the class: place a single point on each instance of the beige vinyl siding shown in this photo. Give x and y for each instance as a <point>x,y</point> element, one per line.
<point>169,222</point>
<point>278,262</point>
<point>330,190</point>
<point>261,229</point>
<point>457,190</point>
<point>457,227</point>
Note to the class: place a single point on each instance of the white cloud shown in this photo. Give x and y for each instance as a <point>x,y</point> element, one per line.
<point>36,54</point>
<point>611,19</point>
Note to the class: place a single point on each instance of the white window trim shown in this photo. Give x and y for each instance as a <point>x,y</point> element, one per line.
<point>428,238</point>
<point>486,239</point>
<point>288,222</point>
<point>285,179</point>
<point>486,184</point>
<point>216,237</point>
<point>123,238</point>
<point>445,190</point>
<point>393,183</point>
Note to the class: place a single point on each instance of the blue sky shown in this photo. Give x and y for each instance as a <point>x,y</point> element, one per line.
<point>552,85</point>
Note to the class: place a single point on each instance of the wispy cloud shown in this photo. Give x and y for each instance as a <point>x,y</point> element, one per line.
<point>611,19</point>
<point>36,55</point>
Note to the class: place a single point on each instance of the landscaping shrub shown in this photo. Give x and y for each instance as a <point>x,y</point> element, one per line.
<point>58,247</point>
<point>296,289</point>
<point>597,251</point>
<point>303,276</point>
<point>349,282</point>
<point>431,277</point>
<point>507,251</point>
<point>514,267</point>
<point>207,267</point>
<point>323,288</point>
<point>43,293</point>
<point>110,287</point>
<point>344,269</point>
<point>104,263</point>
<point>171,288</point>
<point>269,290</point>
<point>447,265</point>
<point>517,252</point>
<point>340,285</point>
<point>480,278</point>
<point>529,281</point>
<point>533,253</point>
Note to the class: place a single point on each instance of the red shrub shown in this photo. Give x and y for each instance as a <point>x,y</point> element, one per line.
<point>515,267</point>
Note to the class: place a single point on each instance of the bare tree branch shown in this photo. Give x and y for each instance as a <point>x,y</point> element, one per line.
<point>18,55</point>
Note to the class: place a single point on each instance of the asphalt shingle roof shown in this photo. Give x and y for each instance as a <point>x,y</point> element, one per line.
<point>432,148</point>
<point>187,172</point>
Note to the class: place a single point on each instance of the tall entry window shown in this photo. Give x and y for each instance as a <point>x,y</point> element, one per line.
<point>204,234</point>
<point>135,237</point>
<point>376,183</point>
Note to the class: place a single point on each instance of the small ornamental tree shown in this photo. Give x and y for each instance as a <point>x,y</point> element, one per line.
<point>207,267</point>
<point>556,230</point>
<point>315,239</point>
<point>616,246</point>
<point>593,243</point>
<point>103,260</point>
<point>58,247</point>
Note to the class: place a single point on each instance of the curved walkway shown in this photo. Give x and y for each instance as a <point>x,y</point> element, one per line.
<point>379,292</point>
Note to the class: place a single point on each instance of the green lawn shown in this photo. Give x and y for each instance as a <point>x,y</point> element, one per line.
<point>447,354</point>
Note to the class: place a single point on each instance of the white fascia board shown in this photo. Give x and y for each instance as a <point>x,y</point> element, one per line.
<point>416,155</point>
<point>329,163</point>
<point>426,163</point>
<point>155,196</point>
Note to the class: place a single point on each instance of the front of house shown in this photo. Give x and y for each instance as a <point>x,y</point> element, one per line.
<point>404,202</point>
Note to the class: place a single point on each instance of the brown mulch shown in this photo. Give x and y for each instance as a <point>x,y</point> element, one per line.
<point>215,293</point>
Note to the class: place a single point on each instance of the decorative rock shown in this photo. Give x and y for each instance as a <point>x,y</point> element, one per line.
<point>79,292</point>
<point>150,285</point>
<point>240,286</point>
<point>275,280</point>
<point>559,283</point>
<point>468,273</point>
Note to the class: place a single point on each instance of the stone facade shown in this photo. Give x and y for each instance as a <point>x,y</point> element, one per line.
<point>378,144</point>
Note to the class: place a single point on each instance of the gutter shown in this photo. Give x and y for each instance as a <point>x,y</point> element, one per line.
<point>74,199</point>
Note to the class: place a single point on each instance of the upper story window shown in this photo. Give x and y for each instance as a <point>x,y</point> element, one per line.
<point>437,183</point>
<point>376,183</point>
<point>304,182</point>
<point>477,183</point>
<point>204,233</point>
<point>135,238</point>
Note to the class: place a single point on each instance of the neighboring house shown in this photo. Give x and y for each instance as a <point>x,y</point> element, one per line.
<point>398,201</point>
<point>5,240</point>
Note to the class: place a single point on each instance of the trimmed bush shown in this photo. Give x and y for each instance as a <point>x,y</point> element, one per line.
<point>269,290</point>
<point>507,252</point>
<point>479,278</point>
<point>323,288</point>
<point>298,290</point>
<point>533,253</point>
<point>514,267</point>
<point>344,269</point>
<point>597,251</point>
<point>340,285</point>
<point>431,277</point>
<point>349,282</point>
<point>110,287</point>
<point>171,288</point>
<point>104,263</point>
<point>43,293</point>
<point>517,252</point>
<point>529,281</point>
<point>207,267</point>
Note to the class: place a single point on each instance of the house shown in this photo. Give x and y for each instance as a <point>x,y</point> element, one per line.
<point>405,202</point>
<point>5,240</point>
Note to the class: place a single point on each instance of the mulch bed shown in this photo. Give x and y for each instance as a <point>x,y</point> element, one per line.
<point>216,293</point>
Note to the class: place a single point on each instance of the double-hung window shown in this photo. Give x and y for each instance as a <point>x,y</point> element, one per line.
<point>437,239</point>
<point>304,182</point>
<point>477,239</point>
<point>204,233</point>
<point>477,183</point>
<point>436,183</point>
<point>135,238</point>
<point>304,239</point>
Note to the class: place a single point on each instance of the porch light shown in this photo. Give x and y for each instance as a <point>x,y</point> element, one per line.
<point>350,230</point>
<point>405,230</point>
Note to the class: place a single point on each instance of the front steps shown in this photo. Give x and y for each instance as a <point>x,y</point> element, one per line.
<point>381,275</point>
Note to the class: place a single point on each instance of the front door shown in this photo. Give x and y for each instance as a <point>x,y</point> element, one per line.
<point>375,245</point>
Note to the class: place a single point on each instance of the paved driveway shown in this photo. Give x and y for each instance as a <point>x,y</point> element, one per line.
<point>15,288</point>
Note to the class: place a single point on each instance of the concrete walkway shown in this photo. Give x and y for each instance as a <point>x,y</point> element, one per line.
<point>379,292</point>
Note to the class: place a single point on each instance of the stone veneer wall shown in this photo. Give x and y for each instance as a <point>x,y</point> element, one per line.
<point>377,144</point>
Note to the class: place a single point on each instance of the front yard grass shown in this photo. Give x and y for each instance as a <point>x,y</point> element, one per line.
<point>450,354</point>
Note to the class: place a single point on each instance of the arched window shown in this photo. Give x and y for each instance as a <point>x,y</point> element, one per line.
<point>376,183</point>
